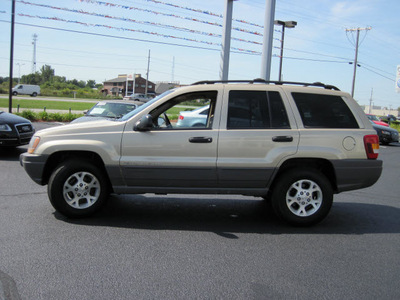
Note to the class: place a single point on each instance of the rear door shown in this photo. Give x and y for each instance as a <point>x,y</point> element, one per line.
<point>257,132</point>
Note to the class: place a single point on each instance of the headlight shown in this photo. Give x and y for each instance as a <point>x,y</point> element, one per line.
<point>5,127</point>
<point>33,144</point>
<point>385,132</point>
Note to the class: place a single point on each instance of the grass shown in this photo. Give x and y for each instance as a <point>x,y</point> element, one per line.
<point>40,104</point>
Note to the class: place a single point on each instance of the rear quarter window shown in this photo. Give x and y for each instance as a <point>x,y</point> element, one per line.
<point>324,111</point>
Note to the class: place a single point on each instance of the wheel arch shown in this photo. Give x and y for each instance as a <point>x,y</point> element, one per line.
<point>57,158</point>
<point>322,165</point>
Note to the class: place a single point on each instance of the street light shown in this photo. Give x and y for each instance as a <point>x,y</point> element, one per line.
<point>288,24</point>
<point>19,71</point>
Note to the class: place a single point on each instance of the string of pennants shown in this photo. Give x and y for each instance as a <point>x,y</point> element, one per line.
<point>145,10</point>
<point>133,30</point>
<point>173,5</point>
<point>137,21</point>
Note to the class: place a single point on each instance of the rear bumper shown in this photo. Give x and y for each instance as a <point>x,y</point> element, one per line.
<point>34,166</point>
<point>356,174</point>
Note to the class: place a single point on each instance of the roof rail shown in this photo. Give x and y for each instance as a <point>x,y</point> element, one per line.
<point>259,80</point>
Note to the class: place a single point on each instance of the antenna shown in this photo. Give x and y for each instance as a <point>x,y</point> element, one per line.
<point>34,53</point>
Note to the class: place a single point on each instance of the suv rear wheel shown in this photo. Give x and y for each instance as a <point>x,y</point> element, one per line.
<point>302,197</point>
<point>77,188</point>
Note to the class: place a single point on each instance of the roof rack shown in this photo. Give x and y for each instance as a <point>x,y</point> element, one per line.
<point>259,80</point>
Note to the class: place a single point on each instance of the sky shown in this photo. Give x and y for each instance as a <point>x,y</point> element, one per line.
<point>98,40</point>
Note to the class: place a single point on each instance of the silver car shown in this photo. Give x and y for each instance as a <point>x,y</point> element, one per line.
<point>107,110</point>
<point>193,118</point>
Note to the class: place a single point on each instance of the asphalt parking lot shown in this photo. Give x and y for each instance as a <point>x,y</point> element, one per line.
<point>198,247</point>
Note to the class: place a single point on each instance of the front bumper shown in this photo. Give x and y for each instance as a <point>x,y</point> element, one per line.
<point>34,166</point>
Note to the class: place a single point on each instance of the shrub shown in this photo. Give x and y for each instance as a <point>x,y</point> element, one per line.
<point>43,116</point>
<point>30,115</point>
<point>56,117</point>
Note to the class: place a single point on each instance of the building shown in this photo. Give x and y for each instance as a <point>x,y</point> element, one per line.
<point>163,86</point>
<point>380,111</point>
<point>123,85</point>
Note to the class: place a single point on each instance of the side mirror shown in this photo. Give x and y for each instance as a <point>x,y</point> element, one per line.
<point>144,124</point>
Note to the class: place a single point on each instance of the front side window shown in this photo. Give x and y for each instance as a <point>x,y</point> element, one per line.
<point>188,111</point>
<point>256,110</point>
<point>324,111</point>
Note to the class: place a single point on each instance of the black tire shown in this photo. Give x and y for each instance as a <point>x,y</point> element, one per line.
<point>77,188</point>
<point>15,93</point>
<point>302,197</point>
<point>34,94</point>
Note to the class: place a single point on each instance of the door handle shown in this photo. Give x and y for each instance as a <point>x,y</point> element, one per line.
<point>200,139</point>
<point>282,138</point>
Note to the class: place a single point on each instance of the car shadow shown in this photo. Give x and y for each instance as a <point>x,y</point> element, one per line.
<point>228,217</point>
<point>11,153</point>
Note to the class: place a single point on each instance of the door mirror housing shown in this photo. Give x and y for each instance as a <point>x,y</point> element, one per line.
<point>144,124</point>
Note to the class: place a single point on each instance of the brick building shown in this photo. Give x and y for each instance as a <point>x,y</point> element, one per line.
<point>118,86</point>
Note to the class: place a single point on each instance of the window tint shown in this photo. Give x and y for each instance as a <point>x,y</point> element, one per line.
<point>324,111</point>
<point>256,110</point>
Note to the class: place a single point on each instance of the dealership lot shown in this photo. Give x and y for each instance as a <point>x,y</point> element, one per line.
<point>201,247</point>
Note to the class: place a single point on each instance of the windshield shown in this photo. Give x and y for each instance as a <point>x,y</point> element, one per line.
<point>110,110</point>
<point>142,107</point>
<point>373,118</point>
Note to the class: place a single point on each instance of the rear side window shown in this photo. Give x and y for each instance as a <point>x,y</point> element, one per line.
<point>324,111</point>
<point>256,110</point>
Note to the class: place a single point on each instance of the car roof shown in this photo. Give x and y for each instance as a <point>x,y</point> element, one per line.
<point>117,101</point>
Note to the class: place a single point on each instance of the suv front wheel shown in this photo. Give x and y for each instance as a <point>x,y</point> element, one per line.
<point>77,188</point>
<point>302,197</point>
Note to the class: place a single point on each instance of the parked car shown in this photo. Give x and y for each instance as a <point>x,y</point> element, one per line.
<point>193,118</point>
<point>107,110</point>
<point>294,144</point>
<point>376,120</point>
<point>26,89</point>
<point>138,97</point>
<point>386,135</point>
<point>14,130</point>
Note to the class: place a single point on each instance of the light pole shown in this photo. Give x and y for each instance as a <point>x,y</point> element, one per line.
<point>19,71</point>
<point>288,24</point>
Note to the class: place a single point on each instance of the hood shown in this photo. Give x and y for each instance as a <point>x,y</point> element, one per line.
<point>12,119</point>
<point>83,128</point>
<point>380,123</point>
<point>89,119</point>
<point>376,126</point>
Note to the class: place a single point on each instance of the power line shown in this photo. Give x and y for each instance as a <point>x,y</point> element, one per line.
<point>124,38</point>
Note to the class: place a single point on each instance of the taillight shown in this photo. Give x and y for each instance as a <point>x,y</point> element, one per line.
<point>180,117</point>
<point>371,143</point>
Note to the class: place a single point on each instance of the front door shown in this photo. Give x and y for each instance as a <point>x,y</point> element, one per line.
<point>174,153</point>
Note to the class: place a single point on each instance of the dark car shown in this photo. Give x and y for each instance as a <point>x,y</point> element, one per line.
<point>386,134</point>
<point>14,130</point>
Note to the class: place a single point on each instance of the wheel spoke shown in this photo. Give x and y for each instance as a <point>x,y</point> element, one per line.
<point>81,190</point>
<point>304,198</point>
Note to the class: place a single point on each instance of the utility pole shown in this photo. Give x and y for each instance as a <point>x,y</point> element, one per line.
<point>34,53</point>
<point>357,30</point>
<point>267,41</point>
<point>147,74</point>
<point>370,101</point>
<point>173,69</point>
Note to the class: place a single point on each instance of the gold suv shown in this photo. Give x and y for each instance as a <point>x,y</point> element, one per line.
<point>295,144</point>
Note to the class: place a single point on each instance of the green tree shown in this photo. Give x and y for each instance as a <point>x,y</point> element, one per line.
<point>33,78</point>
<point>46,73</point>
<point>91,83</point>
